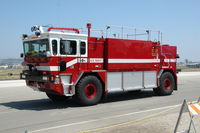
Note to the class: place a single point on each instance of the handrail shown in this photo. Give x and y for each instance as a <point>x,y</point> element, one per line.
<point>59,28</point>
<point>135,31</point>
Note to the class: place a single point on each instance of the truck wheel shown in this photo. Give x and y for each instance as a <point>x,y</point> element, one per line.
<point>88,91</point>
<point>167,84</point>
<point>57,98</point>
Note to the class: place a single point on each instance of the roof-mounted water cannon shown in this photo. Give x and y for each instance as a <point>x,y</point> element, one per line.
<point>38,30</point>
<point>24,36</point>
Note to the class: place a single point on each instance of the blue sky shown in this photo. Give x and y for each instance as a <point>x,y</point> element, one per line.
<point>179,20</point>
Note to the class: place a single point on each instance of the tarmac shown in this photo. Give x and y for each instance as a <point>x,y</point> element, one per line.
<point>160,122</point>
<point>23,109</point>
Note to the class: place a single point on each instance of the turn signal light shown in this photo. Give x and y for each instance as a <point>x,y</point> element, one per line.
<point>51,78</point>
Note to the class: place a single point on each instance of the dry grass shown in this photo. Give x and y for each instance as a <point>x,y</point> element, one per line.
<point>187,69</point>
<point>10,74</point>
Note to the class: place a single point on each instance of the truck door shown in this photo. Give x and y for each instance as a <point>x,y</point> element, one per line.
<point>69,54</point>
<point>74,53</point>
<point>69,57</point>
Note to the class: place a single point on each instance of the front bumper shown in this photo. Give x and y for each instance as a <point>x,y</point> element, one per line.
<point>37,78</point>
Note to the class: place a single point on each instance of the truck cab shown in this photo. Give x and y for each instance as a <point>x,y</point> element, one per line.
<point>51,57</point>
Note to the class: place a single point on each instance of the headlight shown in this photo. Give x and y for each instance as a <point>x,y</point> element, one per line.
<point>44,78</point>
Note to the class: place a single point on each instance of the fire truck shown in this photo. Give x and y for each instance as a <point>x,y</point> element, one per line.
<point>70,62</point>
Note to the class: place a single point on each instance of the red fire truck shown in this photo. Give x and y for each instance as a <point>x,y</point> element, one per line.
<point>64,62</point>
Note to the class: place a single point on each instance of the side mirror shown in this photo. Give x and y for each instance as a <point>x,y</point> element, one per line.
<point>21,55</point>
<point>63,66</point>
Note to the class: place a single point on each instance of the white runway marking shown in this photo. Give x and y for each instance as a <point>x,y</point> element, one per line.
<point>5,112</point>
<point>12,83</point>
<point>185,74</point>
<point>111,117</point>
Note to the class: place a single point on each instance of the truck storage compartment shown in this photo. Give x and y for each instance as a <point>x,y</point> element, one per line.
<point>130,54</point>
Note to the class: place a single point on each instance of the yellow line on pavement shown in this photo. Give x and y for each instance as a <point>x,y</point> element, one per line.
<point>127,122</point>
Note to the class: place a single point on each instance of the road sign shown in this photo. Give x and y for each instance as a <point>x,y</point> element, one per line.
<point>194,109</point>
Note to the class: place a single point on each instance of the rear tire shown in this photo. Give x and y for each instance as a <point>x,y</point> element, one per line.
<point>167,84</point>
<point>89,91</point>
<point>57,98</point>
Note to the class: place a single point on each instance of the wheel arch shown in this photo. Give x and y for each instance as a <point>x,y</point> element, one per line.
<point>96,74</point>
<point>173,74</point>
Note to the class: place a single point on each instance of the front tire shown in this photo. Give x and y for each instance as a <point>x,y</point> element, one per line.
<point>89,91</point>
<point>167,84</point>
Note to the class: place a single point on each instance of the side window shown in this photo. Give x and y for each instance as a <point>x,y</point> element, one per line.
<point>68,47</point>
<point>54,47</point>
<point>83,48</point>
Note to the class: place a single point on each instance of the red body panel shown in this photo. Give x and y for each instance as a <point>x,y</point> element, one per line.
<point>130,49</point>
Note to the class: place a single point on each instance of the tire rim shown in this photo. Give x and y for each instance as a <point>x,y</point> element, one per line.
<point>167,84</point>
<point>90,91</point>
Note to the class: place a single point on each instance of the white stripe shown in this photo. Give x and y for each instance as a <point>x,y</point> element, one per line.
<point>72,62</point>
<point>166,66</point>
<point>169,60</point>
<point>47,68</point>
<point>192,111</point>
<point>139,60</point>
<point>133,60</point>
<point>197,106</point>
<point>99,60</point>
<point>84,60</point>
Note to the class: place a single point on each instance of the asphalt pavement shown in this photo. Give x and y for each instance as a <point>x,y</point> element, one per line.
<point>22,109</point>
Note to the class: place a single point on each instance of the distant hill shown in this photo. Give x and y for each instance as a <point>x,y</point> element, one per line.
<point>10,61</point>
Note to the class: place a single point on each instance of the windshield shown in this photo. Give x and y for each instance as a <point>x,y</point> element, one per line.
<point>36,48</point>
